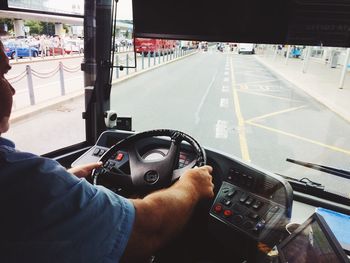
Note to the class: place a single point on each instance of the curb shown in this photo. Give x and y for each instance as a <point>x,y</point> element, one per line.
<point>29,111</point>
<point>317,97</point>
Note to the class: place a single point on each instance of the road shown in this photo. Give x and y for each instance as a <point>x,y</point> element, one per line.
<point>228,102</point>
<point>235,104</point>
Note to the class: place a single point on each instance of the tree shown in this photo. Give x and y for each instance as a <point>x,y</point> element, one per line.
<point>35,27</point>
<point>48,28</point>
<point>8,22</point>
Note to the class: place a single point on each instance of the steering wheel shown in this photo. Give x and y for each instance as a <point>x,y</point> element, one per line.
<point>123,167</point>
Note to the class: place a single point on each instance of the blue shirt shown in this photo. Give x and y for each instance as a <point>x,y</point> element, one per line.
<point>49,215</point>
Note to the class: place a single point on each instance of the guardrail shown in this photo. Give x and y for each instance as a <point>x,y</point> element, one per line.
<point>143,62</point>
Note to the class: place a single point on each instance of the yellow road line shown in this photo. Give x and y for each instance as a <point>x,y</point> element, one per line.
<point>334,148</point>
<point>276,113</point>
<point>241,122</point>
<point>267,95</point>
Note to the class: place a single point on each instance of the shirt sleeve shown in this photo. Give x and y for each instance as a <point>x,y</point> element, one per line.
<point>66,218</point>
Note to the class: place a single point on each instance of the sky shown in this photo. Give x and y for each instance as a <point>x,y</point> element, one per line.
<point>124,7</point>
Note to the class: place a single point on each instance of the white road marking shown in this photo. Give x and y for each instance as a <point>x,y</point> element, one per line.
<point>225,89</point>
<point>226,79</point>
<point>226,73</point>
<point>221,130</point>
<point>199,108</point>
<point>224,103</point>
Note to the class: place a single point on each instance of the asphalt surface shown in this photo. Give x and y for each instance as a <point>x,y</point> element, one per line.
<point>227,102</point>
<point>234,104</point>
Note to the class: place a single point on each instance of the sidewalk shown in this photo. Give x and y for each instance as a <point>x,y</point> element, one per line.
<point>320,81</point>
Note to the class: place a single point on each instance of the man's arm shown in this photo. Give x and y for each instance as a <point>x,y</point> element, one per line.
<point>162,214</point>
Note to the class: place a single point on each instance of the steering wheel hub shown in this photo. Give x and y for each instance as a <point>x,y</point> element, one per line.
<point>151,177</point>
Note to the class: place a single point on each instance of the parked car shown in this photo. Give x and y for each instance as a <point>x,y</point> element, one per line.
<point>20,49</point>
<point>74,46</point>
<point>55,51</point>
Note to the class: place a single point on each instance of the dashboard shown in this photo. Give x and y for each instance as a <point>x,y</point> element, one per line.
<point>250,204</point>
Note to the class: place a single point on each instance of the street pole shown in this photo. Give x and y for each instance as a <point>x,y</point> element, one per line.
<point>30,85</point>
<point>306,59</point>
<point>63,90</point>
<point>345,69</point>
<point>287,55</point>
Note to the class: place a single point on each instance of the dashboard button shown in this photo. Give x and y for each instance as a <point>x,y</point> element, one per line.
<point>119,157</point>
<point>231,193</point>
<point>259,226</point>
<point>253,216</point>
<point>227,213</point>
<point>101,152</point>
<point>244,197</point>
<point>274,209</point>
<point>96,151</point>
<point>249,201</point>
<point>218,208</point>
<point>226,202</point>
<point>257,204</point>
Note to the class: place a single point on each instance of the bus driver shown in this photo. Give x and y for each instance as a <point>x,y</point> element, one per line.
<point>50,214</point>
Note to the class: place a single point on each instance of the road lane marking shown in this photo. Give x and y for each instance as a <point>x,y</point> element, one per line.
<point>267,95</point>
<point>241,123</point>
<point>225,89</point>
<point>199,108</point>
<point>259,82</point>
<point>331,147</point>
<point>226,73</point>
<point>275,113</point>
<point>221,129</point>
<point>226,79</point>
<point>224,103</point>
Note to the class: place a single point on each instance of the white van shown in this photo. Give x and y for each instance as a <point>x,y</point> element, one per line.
<point>245,48</point>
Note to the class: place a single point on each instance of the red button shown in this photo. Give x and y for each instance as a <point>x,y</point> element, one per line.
<point>119,157</point>
<point>227,213</point>
<point>218,208</point>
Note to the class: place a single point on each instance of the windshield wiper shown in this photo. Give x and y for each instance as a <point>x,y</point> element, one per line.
<point>322,168</point>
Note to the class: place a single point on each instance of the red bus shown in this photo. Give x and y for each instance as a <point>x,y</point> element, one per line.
<point>154,46</point>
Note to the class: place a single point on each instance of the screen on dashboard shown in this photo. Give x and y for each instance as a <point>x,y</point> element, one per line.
<point>312,242</point>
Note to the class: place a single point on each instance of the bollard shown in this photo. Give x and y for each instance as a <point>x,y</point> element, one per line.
<point>63,90</point>
<point>117,66</point>
<point>154,57</point>
<point>149,59</point>
<point>127,64</point>
<point>163,55</point>
<point>30,53</point>
<point>143,60</point>
<point>30,85</point>
<point>158,57</point>
<point>16,57</point>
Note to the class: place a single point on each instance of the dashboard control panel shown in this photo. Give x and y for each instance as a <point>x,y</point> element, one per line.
<point>245,211</point>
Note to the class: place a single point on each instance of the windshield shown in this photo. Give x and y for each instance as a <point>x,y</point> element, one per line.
<point>261,103</point>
